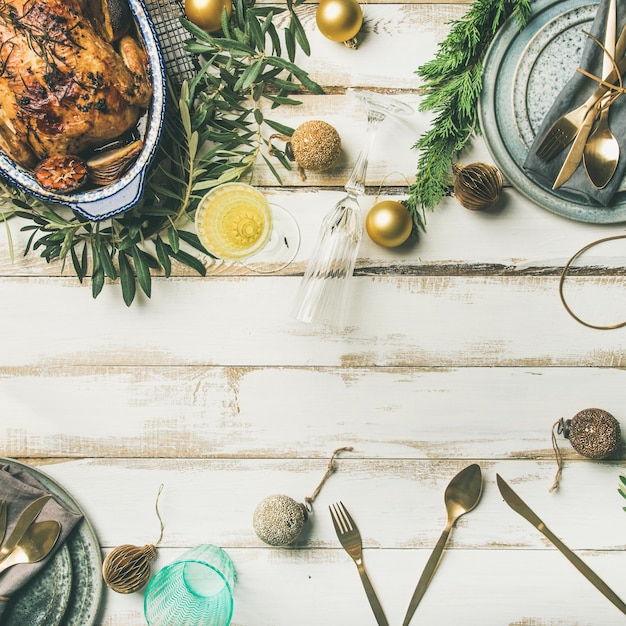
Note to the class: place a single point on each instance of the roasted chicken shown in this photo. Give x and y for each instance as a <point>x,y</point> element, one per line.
<point>63,88</point>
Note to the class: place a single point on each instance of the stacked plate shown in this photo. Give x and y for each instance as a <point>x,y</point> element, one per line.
<point>67,592</point>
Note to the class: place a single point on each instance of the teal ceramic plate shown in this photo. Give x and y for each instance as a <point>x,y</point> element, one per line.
<point>45,599</point>
<point>523,73</point>
<point>68,591</point>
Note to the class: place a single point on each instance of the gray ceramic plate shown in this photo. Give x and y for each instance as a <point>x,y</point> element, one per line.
<point>523,73</point>
<point>68,591</point>
<point>44,601</point>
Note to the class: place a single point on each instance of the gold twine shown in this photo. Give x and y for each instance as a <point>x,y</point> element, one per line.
<point>562,282</point>
<point>558,455</point>
<point>331,468</point>
<point>158,514</point>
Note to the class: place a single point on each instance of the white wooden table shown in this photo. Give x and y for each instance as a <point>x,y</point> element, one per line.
<point>457,350</point>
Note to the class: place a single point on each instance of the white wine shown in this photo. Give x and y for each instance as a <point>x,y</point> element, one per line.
<point>233,221</point>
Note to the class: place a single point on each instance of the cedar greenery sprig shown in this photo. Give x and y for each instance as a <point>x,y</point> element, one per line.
<point>212,134</point>
<point>452,84</point>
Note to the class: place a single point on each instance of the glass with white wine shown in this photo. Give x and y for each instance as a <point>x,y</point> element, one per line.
<point>235,221</point>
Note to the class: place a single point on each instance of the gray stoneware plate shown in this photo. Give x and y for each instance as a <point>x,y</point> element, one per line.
<point>68,591</point>
<point>523,73</point>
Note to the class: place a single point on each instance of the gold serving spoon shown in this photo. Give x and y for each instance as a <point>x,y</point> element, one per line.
<point>601,153</point>
<point>34,545</point>
<point>461,496</point>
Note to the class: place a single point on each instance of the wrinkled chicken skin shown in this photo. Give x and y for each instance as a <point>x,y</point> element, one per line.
<point>63,89</point>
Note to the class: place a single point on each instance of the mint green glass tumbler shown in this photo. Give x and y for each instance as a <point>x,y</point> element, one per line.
<point>196,589</point>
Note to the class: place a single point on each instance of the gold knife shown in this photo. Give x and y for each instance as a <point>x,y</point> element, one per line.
<point>28,516</point>
<point>519,506</point>
<point>575,154</point>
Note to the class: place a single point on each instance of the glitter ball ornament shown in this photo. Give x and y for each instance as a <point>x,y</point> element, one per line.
<point>477,186</point>
<point>127,568</point>
<point>389,223</point>
<point>593,433</point>
<point>278,520</point>
<point>315,146</point>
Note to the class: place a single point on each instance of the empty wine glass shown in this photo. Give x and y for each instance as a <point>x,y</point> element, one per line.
<point>323,293</point>
<point>235,221</point>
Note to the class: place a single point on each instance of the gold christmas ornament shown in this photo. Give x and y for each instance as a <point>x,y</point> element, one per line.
<point>389,223</point>
<point>127,568</point>
<point>278,520</point>
<point>207,14</point>
<point>593,433</point>
<point>340,20</point>
<point>315,145</point>
<point>477,186</point>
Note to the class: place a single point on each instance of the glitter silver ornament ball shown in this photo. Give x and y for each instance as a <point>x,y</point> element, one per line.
<point>278,520</point>
<point>594,433</point>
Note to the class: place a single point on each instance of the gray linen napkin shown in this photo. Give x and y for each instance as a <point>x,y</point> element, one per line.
<point>575,92</point>
<point>19,489</point>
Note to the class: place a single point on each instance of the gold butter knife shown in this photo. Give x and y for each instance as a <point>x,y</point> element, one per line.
<point>519,506</point>
<point>28,516</point>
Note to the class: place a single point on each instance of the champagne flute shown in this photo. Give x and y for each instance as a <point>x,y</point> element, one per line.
<point>323,293</point>
<point>235,221</point>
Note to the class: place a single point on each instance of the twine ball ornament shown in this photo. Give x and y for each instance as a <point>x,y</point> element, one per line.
<point>389,223</point>
<point>278,519</point>
<point>315,146</point>
<point>593,433</point>
<point>127,568</point>
<point>477,185</point>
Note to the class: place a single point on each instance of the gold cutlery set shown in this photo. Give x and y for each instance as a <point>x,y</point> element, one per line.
<point>598,150</point>
<point>30,541</point>
<point>461,496</point>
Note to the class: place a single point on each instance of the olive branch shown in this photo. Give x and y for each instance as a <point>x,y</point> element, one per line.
<point>212,134</point>
<point>452,83</point>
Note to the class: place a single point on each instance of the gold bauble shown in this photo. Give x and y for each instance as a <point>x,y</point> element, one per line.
<point>315,145</point>
<point>477,186</point>
<point>389,223</point>
<point>339,20</point>
<point>207,14</point>
<point>127,569</point>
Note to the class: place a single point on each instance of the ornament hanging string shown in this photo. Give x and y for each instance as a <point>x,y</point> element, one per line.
<point>158,514</point>
<point>331,468</point>
<point>382,182</point>
<point>559,426</point>
<point>562,282</point>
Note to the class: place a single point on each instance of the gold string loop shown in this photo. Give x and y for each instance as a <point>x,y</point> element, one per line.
<point>331,468</point>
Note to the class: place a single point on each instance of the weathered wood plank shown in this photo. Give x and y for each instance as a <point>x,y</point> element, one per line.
<point>297,412</point>
<point>398,503</point>
<point>475,588</point>
<point>404,321</point>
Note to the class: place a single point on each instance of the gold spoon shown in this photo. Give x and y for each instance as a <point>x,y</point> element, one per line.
<point>461,496</point>
<point>601,153</point>
<point>34,545</point>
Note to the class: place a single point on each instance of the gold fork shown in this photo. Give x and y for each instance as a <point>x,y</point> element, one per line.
<point>563,131</point>
<point>350,538</point>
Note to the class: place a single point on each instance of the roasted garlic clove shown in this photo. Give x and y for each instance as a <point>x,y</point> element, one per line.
<point>108,166</point>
